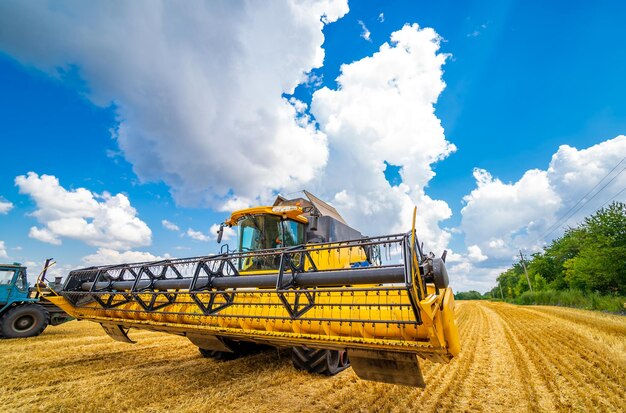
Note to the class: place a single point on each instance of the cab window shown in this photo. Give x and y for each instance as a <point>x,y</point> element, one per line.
<point>262,232</point>
<point>6,276</point>
<point>268,231</point>
<point>292,233</point>
<point>259,232</point>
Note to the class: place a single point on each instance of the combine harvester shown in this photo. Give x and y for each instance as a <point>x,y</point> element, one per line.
<point>300,278</point>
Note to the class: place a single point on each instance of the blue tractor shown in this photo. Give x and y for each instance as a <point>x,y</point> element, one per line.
<point>24,310</point>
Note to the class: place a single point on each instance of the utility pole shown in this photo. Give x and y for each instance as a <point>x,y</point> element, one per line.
<point>500,285</point>
<point>525,271</point>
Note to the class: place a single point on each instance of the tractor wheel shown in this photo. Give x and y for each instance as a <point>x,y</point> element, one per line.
<point>327,362</point>
<point>26,320</point>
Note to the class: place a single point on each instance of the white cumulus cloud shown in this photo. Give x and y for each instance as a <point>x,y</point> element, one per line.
<point>503,217</point>
<point>475,254</point>
<point>44,235</point>
<point>383,111</point>
<point>197,235</point>
<point>198,90</point>
<point>365,33</point>
<point>5,206</point>
<point>3,250</point>
<point>169,225</point>
<point>500,218</point>
<point>101,220</point>
<point>500,215</point>
<point>107,256</point>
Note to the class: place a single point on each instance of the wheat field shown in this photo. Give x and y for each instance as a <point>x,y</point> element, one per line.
<point>513,359</point>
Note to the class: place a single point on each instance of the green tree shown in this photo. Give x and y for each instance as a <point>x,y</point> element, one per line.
<point>468,295</point>
<point>600,265</point>
<point>590,257</point>
<point>509,281</point>
<point>556,255</point>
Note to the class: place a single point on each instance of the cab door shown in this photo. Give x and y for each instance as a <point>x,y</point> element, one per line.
<point>19,291</point>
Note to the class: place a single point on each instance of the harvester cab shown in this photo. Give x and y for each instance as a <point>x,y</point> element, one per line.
<point>289,224</point>
<point>301,278</point>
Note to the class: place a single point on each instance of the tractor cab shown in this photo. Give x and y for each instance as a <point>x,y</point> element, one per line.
<point>13,283</point>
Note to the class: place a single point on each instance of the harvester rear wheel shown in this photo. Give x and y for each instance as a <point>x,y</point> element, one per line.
<point>327,362</point>
<point>27,320</point>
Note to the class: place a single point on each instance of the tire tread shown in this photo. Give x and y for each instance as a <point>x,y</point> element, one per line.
<point>315,361</point>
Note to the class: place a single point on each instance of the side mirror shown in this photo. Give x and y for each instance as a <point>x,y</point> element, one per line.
<point>220,233</point>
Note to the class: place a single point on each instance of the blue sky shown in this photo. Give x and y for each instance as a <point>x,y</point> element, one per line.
<point>521,79</point>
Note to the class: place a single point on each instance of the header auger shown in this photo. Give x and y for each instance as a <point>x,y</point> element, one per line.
<point>300,278</point>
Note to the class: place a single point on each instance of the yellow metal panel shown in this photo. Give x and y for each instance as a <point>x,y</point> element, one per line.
<point>293,213</point>
<point>382,320</point>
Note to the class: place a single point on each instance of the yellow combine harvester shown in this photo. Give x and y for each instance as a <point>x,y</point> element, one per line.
<point>300,278</point>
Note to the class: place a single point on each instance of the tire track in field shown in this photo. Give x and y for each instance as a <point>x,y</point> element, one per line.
<point>603,331</point>
<point>538,386</point>
<point>556,378</point>
<point>564,356</point>
<point>466,368</point>
<point>483,388</point>
<point>607,365</point>
<point>575,346</point>
<point>438,388</point>
<point>492,383</point>
<point>559,361</point>
<point>607,323</point>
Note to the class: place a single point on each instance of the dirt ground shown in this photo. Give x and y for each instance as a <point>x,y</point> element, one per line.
<point>513,359</point>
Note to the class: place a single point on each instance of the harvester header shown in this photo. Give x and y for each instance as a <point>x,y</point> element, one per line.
<point>301,278</point>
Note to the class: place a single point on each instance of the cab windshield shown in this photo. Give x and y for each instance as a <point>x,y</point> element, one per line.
<point>260,232</point>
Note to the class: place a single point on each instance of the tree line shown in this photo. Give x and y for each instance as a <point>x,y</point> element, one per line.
<point>588,259</point>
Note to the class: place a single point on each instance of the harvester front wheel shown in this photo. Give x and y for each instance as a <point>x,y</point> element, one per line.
<point>27,320</point>
<point>327,362</point>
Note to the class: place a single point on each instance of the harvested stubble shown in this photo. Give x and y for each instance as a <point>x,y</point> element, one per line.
<point>513,359</point>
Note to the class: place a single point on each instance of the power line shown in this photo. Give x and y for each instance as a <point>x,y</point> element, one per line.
<point>558,222</point>
<point>614,196</point>
<point>567,214</point>
<point>593,196</point>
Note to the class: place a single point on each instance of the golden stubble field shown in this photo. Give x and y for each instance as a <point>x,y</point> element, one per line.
<point>513,359</point>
